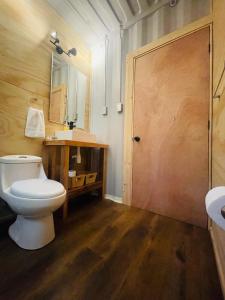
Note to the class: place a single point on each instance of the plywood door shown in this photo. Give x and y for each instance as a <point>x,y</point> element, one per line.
<point>171,111</point>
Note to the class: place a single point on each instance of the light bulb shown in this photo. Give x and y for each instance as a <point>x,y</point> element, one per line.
<point>54,34</point>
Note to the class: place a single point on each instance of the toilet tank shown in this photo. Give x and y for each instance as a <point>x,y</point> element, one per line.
<point>19,167</point>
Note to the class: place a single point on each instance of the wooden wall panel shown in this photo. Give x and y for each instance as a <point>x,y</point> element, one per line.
<point>218,149</point>
<point>218,39</point>
<point>218,240</point>
<point>25,58</point>
<point>218,138</point>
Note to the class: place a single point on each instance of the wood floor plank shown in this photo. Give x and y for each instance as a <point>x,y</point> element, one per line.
<point>149,274</point>
<point>114,269</point>
<point>51,260</point>
<point>108,251</point>
<point>100,245</point>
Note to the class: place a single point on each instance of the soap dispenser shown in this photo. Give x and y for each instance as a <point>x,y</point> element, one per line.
<point>71,125</point>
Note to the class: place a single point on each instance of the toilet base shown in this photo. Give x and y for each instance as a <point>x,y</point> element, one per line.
<point>32,233</point>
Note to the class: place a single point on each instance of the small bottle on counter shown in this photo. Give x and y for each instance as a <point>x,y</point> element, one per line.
<point>72,173</point>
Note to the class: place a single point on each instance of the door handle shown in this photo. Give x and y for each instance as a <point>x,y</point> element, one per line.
<point>136,139</point>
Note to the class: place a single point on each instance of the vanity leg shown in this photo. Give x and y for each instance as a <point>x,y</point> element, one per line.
<point>53,162</point>
<point>64,169</point>
<point>46,160</point>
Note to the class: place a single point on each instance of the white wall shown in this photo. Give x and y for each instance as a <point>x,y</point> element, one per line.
<point>109,128</point>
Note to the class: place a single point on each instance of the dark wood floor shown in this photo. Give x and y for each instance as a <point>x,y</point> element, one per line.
<point>110,251</point>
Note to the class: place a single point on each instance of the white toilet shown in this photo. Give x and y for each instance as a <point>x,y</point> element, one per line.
<point>33,197</point>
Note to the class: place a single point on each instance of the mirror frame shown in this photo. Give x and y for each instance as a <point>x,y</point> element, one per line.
<point>87,100</point>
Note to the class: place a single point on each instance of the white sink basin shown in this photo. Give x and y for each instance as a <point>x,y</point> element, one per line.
<point>76,135</point>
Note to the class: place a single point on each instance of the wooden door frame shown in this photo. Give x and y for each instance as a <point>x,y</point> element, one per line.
<point>129,97</point>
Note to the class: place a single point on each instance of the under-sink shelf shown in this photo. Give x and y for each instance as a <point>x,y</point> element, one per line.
<point>72,192</point>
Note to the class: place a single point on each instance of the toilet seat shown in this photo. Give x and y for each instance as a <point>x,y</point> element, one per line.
<point>37,188</point>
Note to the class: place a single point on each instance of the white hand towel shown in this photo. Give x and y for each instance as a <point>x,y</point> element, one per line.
<point>35,126</point>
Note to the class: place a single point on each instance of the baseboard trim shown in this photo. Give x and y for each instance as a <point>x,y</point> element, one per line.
<point>114,198</point>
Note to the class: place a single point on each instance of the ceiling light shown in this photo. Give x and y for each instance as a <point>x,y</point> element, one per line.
<point>54,35</point>
<point>55,41</point>
<point>72,51</point>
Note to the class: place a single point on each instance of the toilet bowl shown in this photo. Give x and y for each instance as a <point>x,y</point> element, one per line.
<point>33,197</point>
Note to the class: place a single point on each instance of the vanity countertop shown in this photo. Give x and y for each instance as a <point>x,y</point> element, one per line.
<point>74,144</point>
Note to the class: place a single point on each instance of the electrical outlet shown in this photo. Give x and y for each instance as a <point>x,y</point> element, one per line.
<point>104,110</point>
<point>119,107</point>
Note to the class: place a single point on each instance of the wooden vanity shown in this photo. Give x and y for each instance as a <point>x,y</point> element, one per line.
<point>61,154</point>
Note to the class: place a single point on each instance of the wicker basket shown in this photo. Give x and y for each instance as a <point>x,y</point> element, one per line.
<point>90,178</point>
<point>76,181</point>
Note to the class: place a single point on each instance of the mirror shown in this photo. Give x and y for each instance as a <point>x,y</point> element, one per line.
<point>69,93</point>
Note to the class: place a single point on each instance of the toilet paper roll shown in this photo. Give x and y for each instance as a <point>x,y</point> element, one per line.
<point>215,201</point>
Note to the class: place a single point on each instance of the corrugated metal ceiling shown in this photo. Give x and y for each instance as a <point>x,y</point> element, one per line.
<point>94,19</point>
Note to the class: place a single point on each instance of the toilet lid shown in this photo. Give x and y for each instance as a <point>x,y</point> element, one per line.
<point>37,188</point>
